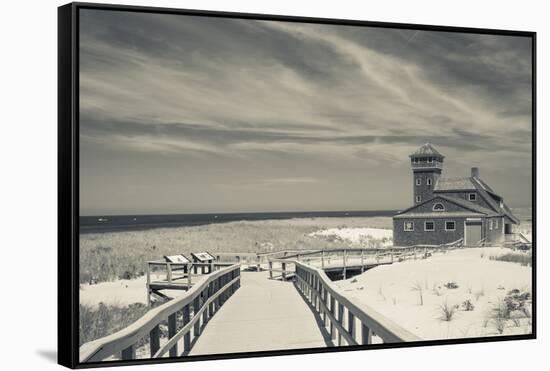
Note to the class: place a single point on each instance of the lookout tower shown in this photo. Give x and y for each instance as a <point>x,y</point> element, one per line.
<point>427,164</point>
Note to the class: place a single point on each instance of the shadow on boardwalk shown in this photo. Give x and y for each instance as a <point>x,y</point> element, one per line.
<point>262,315</point>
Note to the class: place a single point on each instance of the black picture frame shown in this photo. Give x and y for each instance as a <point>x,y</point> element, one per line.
<point>68,180</point>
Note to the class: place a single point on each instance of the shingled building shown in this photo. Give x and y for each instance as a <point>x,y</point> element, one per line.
<point>449,209</point>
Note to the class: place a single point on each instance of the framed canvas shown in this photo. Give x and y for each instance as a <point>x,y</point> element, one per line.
<point>240,185</point>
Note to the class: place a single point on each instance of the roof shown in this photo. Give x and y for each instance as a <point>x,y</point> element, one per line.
<point>454,184</point>
<point>476,184</point>
<point>440,214</point>
<point>470,205</point>
<point>426,150</point>
<point>471,209</point>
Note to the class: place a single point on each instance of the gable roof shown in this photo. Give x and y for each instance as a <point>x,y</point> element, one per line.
<point>426,150</point>
<point>471,208</point>
<point>454,184</point>
<point>475,184</point>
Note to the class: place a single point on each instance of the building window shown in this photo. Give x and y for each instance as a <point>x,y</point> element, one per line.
<point>438,207</point>
<point>472,196</point>
<point>408,226</point>
<point>496,224</point>
<point>429,181</point>
<point>430,160</point>
<point>490,224</point>
<point>450,226</point>
<point>418,181</point>
<point>429,226</point>
<point>418,198</point>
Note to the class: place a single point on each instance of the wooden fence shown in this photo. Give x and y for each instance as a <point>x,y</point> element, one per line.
<point>185,316</point>
<point>343,320</point>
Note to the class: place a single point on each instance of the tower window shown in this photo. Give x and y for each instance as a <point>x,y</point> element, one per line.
<point>496,224</point>
<point>418,198</point>
<point>408,226</point>
<point>438,207</point>
<point>429,226</point>
<point>418,181</point>
<point>430,160</point>
<point>450,225</point>
<point>429,181</point>
<point>472,196</point>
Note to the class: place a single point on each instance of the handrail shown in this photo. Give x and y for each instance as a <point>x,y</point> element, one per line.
<point>202,300</point>
<point>329,302</point>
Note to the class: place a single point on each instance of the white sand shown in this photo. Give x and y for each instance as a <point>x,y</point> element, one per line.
<point>356,236</point>
<point>120,292</point>
<point>388,289</point>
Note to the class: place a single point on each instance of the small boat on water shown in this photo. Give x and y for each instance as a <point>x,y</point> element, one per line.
<point>102,220</point>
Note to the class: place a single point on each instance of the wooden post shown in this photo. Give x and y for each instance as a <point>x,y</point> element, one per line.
<point>362,261</point>
<point>332,311</point>
<point>324,298</point>
<point>414,252</point>
<point>351,324</point>
<point>344,263</point>
<point>204,300</point>
<point>270,264</point>
<point>169,272</point>
<point>323,258</point>
<point>187,336</point>
<point>128,353</point>
<point>188,276</point>
<point>148,286</point>
<point>171,332</point>
<point>258,263</point>
<point>283,268</point>
<point>340,321</point>
<point>196,307</point>
<point>154,340</point>
<point>391,255</point>
<point>366,335</point>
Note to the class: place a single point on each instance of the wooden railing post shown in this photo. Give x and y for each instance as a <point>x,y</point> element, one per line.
<point>344,264</point>
<point>196,307</point>
<point>148,285</point>
<point>258,264</point>
<point>270,269</point>
<point>340,321</point>
<point>391,256</point>
<point>366,335</point>
<point>332,311</point>
<point>188,276</point>
<point>323,258</point>
<point>172,329</point>
<point>169,272</point>
<point>187,336</point>
<point>362,260</point>
<point>154,340</point>
<point>128,353</point>
<point>283,268</point>
<point>204,300</point>
<point>351,324</point>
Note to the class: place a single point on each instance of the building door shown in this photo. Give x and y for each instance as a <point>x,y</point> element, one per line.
<point>472,233</point>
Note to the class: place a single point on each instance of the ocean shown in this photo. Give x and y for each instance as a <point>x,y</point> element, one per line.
<point>117,223</point>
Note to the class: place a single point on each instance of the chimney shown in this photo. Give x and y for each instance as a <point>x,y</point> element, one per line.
<point>475,172</point>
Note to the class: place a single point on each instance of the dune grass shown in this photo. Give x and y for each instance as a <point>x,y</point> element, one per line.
<point>103,320</point>
<point>525,259</point>
<point>115,255</point>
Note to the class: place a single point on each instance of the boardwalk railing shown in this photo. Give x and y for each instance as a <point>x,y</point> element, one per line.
<point>358,258</point>
<point>185,316</point>
<point>344,320</point>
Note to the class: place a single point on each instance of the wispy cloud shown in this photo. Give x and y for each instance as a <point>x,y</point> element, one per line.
<point>245,90</point>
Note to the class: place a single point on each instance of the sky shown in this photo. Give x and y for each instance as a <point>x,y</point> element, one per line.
<point>189,114</point>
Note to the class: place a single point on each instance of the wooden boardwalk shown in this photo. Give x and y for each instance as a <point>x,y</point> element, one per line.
<point>262,315</point>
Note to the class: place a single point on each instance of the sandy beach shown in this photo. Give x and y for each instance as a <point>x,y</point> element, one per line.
<point>395,290</point>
